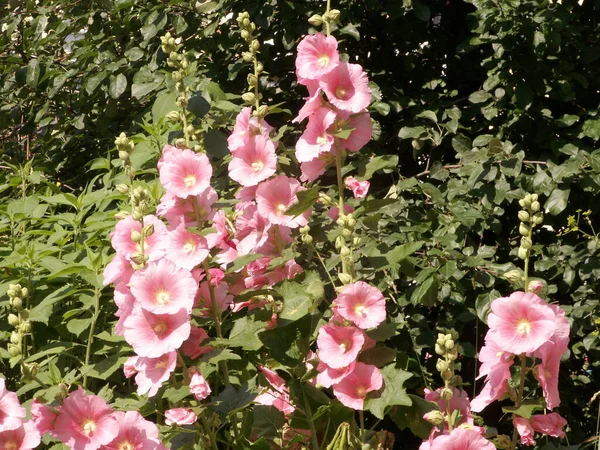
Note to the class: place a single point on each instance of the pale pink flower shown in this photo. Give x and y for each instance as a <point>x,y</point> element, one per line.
<point>362,304</point>
<point>25,437</point>
<point>164,288</point>
<point>192,346</point>
<point>312,170</point>
<point>153,335</point>
<point>130,366</point>
<point>327,376</point>
<point>275,196</point>
<point>524,429</point>
<point>169,153</point>
<point>315,139</point>
<point>520,323</point>
<point>317,56</point>
<point>119,270</point>
<point>154,245</point>
<point>42,417</point>
<point>462,439</point>
<point>186,173</point>
<point>551,424</point>
<point>362,129</point>
<point>180,416</point>
<point>339,346</point>
<point>85,422</point>
<point>353,389</point>
<point>185,249</point>
<point>246,194</point>
<point>347,87</point>
<point>492,357</point>
<point>547,372</point>
<point>11,411</point>
<point>135,433</point>
<point>359,188</point>
<point>216,276</point>
<point>245,127</point>
<point>459,401</point>
<point>254,162</point>
<point>279,237</point>
<point>194,210</point>
<point>220,295</point>
<point>252,229</point>
<point>495,388</point>
<point>152,372</point>
<point>278,396</point>
<point>198,385</point>
<point>313,102</point>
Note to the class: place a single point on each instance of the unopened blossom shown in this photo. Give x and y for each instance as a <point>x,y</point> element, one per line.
<point>353,388</point>
<point>362,304</point>
<point>524,429</point>
<point>192,346</point>
<point>198,385</point>
<point>180,416</point>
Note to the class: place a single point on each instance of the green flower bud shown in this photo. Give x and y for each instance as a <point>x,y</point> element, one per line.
<point>255,46</point>
<point>345,278</point>
<point>538,218</point>
<point>446,394</point>
<point>334,14</point>
<point>11,293</point>
<point>25,327</point>
<point>524,229</point>
<point>533,197</point>
<point>15,337</point>
<point>514,276</point>
<point>148,230</point>
<point>526,243</point>
<point>24,292</point>
<point>316,20</point>
<point>435,418</point>
<point>449,344</point>
<point>122,189</point>
<point>180,143</point>
<point>350,222</point>
<point>13,320</point>
<point>446,374</point>
<point>247,57</point>
<point>262,111</point>
<point>248,97</point>
<point>24,314</point>
<point>121,215</point>
<point>347,233</point>
<point>525,202</point>
<point>503,441</point>
<point>17,303</point>
<point>123,155</point>
<point>173,116</point>
<point>251,78</point>
<point>440,350</point>
<point>245,22</point>
<point>14,350</point>
<point>524,216</point>
<point>259,67</point>
<point>139,259</point>
<point>522,253</point>
<point>345,251</point>
<point>245,35</point>
<point>356,241</point>
<point>136,236</point>
<point>441,339</point>
<point>535,206</point>
<point>340,242</point>
<point>441,365</point>
<point>307,239</point>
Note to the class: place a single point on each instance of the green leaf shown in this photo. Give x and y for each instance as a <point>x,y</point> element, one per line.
<point>216,145</point>
<point>351,30</point>
<point>430,115</point>
<point>42,311</point>
<point>402,252</point>
<point>479,97</point>
<point>164,104</point>
<point>411,132</point>
<point>482,140</point>
<point>244,333</point>
<point>526,410</point>
<point>422,11</point>
<point>94,81</point>
<point>461,144</point>
<point>306,199</point>
<point>139,90</point>
<point>393,392</point>
<point>297,301</point>
<point>117,85</point>
<point>376,163</point>
<point>591,128</point>
<point>426,292</point>
<point>134,54</point>
<point>232,399</point>
<point>557,202</point>
<point>412,416</point>
<point>268,421</point>
<point>33,72</point>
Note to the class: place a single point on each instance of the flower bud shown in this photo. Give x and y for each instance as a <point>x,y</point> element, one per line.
<point>259,67</point>
<point>305,229</point>
<point>24,292</point>
<point>350,222</point>
<point>255,45</point>
<point>251,78</point>
<point>538,218</point>
<point>13,320</point>
<point>180,143</point>
<point>503,441</point>
<point>136,236</point>
<point>535,206</point>
<point>524,216</point>
<point>441,365</point>
<point>356,241</point>
<point>514,276</point>
<point>24,314</point>
<point>440,350</point>
<point>316,20</point>
<point>139,259</point>
<point>340,242</point>
<point>245,22</point>
<point>248,97</point>
<point>11,293</point>
<point>17,303</point>
<point>446,394</point>
<point>524,229</point>
<point>345,278</point>
<point>122,188</point>
<point>446,374</point>
<point>345,252</point>
<point>307,239</point>
<point>15,337</point>
<point>533,197</point>
<point>262,111</point>
<point>347,233</point>
<point>121,215</point>
<point>535,286</point>
<point>245,35</point>
<point>334,14</point>
<point>173,116</point>
<point>526,243</point>
<point>14,350</point>
<point>25,327</point>
<point>123,155</point>
<point>449,344</point>
<point>247,57</point>
<point>522,253</point>
<point>435,417</point>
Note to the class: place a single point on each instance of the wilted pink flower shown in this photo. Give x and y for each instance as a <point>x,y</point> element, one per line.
<point>339,346</point>
<point>220,296</point>
<point>362,304</point>
<point>186,173</point>
<point>254,162</point>
<point>317,56</point>
<point>353,388</point>
<point>42,417</point>
<point>216,276</point>
<point>315,139</point>
<point>11,411</point>
<point>361,126</point>
<point>547,373</point>
<point>129,367</point>
<point>462,439</point>
<point>25,437</point>
<point>495,388</point>
<point>192,346</point>
<point>180,416</point>
<point>551,424</point>
<point>164,288</point>
<point>347,87</point>
<point>313,102</point>
<point>524,429</point>
<point>152,372</point>
<point>85,422</point>
<point>275,196</point>
<point>135,433</point>
<point>153,335</point>
<point>359,188</point>
<point>520,323</point>
<point>198,385</point>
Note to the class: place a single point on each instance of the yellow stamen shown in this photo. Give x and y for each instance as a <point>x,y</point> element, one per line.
<point>280,209</point>
<point>360,310</point>
<point>162,297</point>
<point>361,391</point>
<point>340,93</point>
<point>160,327</point>
<point>323,60</point>
<point>524,327</point>
<point>89,426</point>
<point>322,140</point>
<point>126,445</point>
<point>189,247</point>
<point>257,166</point>
<point>190,180</point>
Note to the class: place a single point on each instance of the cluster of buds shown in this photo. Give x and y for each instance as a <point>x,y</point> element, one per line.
<point>140,258</point>
<point>305,235</point>
<point>447,348</point>
<point>19,321</point>
<point>346,242</point>
<point>327,18</point>
<point>252,97</point>
<point>140,203</point>
<point>342,439</point>
<point>530,216</point>
<point>125,147</point>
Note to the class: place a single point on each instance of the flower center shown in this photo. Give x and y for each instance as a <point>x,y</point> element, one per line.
<point>360,310</point>
<point>257,166</point>
<point>160,327</point>
<point>189,247</point>
<point>162,297</point>
<point>280,209</point>
<point>89,426</point>
<point>345,346</point>
<point>322,140</point>
<point>323,60</point>
<point>341,93</point>
<point>361,392</point>
<point>524,327</point>
<point>161,364</point>
<point>125,445</point>
<point>11,445</point>
<point>189,181</point>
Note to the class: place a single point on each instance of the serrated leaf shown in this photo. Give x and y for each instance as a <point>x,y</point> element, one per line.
<point>412,416</point>
<point>306,199</point>
<point>393,391</point>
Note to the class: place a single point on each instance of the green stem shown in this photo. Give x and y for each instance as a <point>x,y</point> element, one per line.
<point>210,433</point>
<point>88,350</point>
<point>323,264</point>
<point>513,445</point>
<point>327,23</point>
<point>448,414</point>
<point>256,75</point>
<point>526,266</point>
<point>338,169</point>
<point>313,431</point>
<point>361,418</point>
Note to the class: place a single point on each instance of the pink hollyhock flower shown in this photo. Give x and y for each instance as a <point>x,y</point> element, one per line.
<point>194,210</point>
<point>11,411</point>
<point>125,302</point>
<point>246,194</point>
<point>347,87</point>
<point>327,376</point>
<point>152,372</point>
<point>192,346</point>
<point>252,229</point>
<point>494,389</point>
<point>547,372</point>
<point>25,437</point>
<point>153,335</point>
<point>317,56</point>
<point>551,424</point>
<point>254,162</point>
<point>186,173</point>
<point>42,417</point>
<point>313,102</point>
<point>251,304</point>
<point>536,287</point>
<point>279,397</point>
<point>135,433</point>
<point>315,139</point>
<point>492,357</point>
<point>203,299</point>
<point>154,245</point>
<point>198,385</point>
<point>362,304</point>
<point>312,170</point>
<point>275,196</point>
<point>185,249</point>
<point>119,270</point>
<point>353,389</point>
<point>180,416</point>
<point>462,439</point>
<point>334,212</point>
<point>524,429</point>
<point>279,237</point>
<point>247,126</point>
<point>216,276</point>
<point>130,366</point>
<point>520,323</point>
<point>339,346</point>
<point>362,130</point>
<point>85,422</point>
<point>459,401</point>
<point>169,153</point>
<point>359,188</point>
<point>164,288</point>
